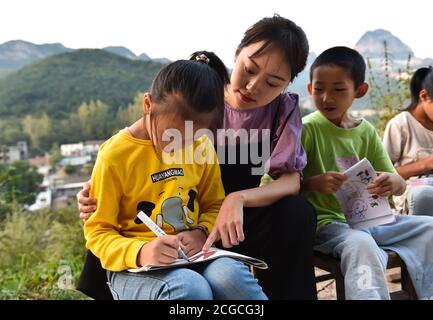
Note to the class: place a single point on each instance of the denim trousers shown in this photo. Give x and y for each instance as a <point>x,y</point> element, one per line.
<point>364,260</point>
<point>420,200</point>
<point>220,279</point>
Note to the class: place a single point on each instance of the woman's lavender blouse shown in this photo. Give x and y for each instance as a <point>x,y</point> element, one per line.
<point>283,118</point>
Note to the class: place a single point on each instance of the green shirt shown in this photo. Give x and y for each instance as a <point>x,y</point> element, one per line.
<point>328,146</point>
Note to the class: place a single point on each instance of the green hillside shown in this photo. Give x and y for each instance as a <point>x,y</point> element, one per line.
<point>58,84</point>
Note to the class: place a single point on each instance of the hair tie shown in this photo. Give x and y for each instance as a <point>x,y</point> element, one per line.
<point>202,58</point>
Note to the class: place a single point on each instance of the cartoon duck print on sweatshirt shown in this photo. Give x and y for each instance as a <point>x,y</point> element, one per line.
<point>172,211</point>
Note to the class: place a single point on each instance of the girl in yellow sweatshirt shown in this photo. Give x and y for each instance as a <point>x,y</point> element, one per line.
<point>161,165</point>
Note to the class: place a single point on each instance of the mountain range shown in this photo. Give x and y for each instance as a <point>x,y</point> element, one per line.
<point>18,53</point>
<point>59,83</point>
<point>55,79</point>
<point>371,45</point>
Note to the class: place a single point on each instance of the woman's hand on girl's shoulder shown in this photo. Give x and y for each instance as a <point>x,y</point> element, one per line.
<point>86,205</point>
<point>229,223</point>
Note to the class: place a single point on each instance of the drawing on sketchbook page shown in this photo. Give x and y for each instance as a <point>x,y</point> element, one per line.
<point>362,209</point>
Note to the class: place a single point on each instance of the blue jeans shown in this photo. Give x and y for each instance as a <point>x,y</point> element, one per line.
<point>364,260</point>
<point>420,200</point>
<point>221,279</point>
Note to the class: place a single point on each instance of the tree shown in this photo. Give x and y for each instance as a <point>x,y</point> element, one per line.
<point>11,132</point>
<point>65,131</point>
<point>55,155</point>
<point>95,119</point>
<point>388,92</point>
<point>130,114</point>
<point>19,183</point>
<point>38,129</point>
<point>70,169</point>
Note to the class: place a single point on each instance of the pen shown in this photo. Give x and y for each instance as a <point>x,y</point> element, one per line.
<point>158,231</point>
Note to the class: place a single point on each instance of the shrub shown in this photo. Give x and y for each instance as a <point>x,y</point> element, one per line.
<point>42,254</point>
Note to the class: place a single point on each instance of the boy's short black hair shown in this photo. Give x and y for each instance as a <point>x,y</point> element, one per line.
<point>343,57</point>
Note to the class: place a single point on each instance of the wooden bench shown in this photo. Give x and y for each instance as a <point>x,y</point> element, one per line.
<point>332,266</point>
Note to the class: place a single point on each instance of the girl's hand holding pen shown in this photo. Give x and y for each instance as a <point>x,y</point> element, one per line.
<point>166,245</point>
<point>161,250</point>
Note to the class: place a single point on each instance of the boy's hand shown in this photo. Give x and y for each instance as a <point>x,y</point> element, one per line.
<point>192,241</point>
<point>161,250</point>
<point>229,223</point>
<point>86,205</point>
<point>328,182</point>
<point>387,184</point>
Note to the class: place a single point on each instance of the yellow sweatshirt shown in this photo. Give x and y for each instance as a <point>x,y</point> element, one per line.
<point>128,176</point>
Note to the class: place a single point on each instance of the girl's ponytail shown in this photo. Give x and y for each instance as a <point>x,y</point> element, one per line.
<point>212,60</point>
<point>199,82</point>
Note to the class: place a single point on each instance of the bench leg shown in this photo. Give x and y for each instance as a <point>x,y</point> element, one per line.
<point>406,283</point>
<point>339,286</point>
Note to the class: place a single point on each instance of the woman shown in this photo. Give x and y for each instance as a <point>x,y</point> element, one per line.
<point>271,222</point>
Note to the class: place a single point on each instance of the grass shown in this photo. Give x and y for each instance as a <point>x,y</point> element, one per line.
<point>42,254</point>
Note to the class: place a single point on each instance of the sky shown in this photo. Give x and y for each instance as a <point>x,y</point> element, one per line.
<point>175,29</point>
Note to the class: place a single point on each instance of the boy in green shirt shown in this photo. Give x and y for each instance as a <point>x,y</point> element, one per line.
<point>334,142</point>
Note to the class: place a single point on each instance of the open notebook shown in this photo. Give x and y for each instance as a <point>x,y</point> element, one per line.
<point>211,254</point>
<point>362,209</point>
